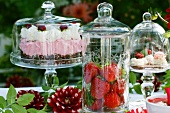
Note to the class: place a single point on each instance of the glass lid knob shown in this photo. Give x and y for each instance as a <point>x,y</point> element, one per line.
<point>104,10</point>
<point>48,6</point>
<point>147,16</point>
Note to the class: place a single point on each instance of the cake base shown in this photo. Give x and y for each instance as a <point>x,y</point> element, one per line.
<point>51,59</point>
<point>150,68</point>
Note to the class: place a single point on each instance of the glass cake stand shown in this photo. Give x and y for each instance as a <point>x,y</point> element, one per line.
<point>48,65</point>
<point>149,52</point>
<point>40,43</point>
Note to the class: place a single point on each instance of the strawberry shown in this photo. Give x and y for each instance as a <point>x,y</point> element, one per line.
<point>74,22</point>
<point>118,86</point>
<point>149,51</point>
<point>96,105</point>
<point>109,72</point>
<point>27,26</point>
<point>112,100</point>
<point>122,99</point>
<point>41,28</point>
<point>90,71</point>
<point>139,55</point>
<point>63,27</point>
<point>99,88</point>
<point>115,66</point>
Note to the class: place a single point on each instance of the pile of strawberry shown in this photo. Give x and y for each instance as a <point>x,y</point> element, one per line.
<point>107,86</point>
<point>142,54</point>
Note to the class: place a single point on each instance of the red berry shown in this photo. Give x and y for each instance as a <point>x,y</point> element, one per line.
<point>119,86</point>
<point>122,100</point>
<point>63,27</point>
<point>139,55</point>
<point>28,26</point>
<point>112,100</point>
<point>99,88</point>
<point>41,28</point>
<point>90,71</point>
<point>96,105</point>
<point>149,51</point>
<point>110,72</point>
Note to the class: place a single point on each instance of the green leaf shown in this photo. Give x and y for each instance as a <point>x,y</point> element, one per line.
<point>130,90</point>
<point>25,99</point>
<point>56,80</point>
<point>132,77</point>
<point>89,98</point>
<point>18,109</point>
<point>11,95</point>
<point>2,102</point>
<point>79,84</point>
<point>46,88</point>
<point>32,110</point>
<point>41,111</point>
<point>167,34</point>
<point>63,85</point>
<point>45,95</point>
<point>137,88</point>
<point>144,52</point>
<point>8,111</point>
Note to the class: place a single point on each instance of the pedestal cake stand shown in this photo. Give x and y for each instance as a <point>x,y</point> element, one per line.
<point>49,42</point>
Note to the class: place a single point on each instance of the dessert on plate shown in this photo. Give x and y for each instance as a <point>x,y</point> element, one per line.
<point>155,60</point>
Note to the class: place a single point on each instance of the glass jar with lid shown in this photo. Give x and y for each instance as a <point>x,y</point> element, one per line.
<point>47,42</point>
<point>105,63</point>
<point>149,52</point>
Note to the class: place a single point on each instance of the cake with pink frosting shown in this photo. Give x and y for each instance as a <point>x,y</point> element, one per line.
<point>47,42</point>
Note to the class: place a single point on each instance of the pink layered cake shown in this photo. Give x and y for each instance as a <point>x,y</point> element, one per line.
<point>47,42</point>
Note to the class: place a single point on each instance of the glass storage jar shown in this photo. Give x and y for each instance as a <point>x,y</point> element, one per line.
<point>105,63</point>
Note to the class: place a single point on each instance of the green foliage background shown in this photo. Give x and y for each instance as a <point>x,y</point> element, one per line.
<point>127,11</point>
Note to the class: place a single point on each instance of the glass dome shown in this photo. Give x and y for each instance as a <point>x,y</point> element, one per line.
<point>149,49</point>
<point>105,23</point>
<point>105,63</point>
<point>48,41</point>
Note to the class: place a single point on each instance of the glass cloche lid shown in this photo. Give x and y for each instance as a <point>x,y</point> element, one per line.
<point>149,49</point>
<point>48,41</point>
<point>147,24</point>
<point>104,22</point>
<point>47,18</point>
